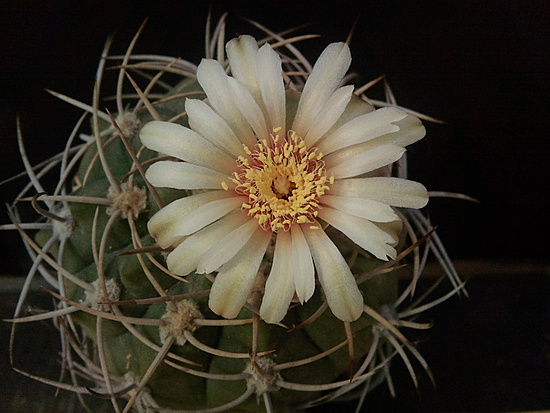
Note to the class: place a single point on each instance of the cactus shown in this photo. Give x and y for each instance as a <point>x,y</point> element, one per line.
<point>150,336</point>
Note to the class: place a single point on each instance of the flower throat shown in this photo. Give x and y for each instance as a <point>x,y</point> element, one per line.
<point>283,181</point>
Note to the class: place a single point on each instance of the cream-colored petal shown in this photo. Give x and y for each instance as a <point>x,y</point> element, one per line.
<point>362,128</point>
<point>185,257</point>
<point>183,143</point>
<point>249,108</point>
<point>241,53</point>
<point>302,265</point>
<point>279,287</point>
<point>187,215</point>
<point>363,208</point>
<point>329,114</point>
<point>410,131</point>
<point>393,229</point>
<point>212,126</point>
<point>351,162</point>
<point>326,75</point>
<point>355,107</point>
<point>161,224</point>
<point>226,248</point>
<point>361,231</point>
<point>341,291</point>
<point>183,175</point>
<point>269,72</point>
<point>215,83</point>
<point>392,191</point>
<point>235,280</point>
<point>201,217</point>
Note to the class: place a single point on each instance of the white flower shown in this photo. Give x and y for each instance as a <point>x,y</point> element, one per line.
<point>269,169</point>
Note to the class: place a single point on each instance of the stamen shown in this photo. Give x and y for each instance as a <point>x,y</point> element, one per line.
<point>283,181</point>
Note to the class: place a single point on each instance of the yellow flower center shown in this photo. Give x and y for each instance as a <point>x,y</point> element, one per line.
<point>283,181</point>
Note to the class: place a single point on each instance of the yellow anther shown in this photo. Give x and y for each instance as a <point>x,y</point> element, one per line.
<point>282,180</point>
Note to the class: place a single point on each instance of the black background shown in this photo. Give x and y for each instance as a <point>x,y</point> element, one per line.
<point>482,66</point>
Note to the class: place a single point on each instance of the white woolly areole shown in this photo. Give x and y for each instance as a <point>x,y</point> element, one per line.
<point>262,376</point>
<point>144,400</point>
<point>179,318</point>
<point>63,229</point>
<point>96,298</point>
<point>128,123</point>
<point>129,200</point>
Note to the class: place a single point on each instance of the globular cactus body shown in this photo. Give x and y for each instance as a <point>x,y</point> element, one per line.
<point>147,335</point>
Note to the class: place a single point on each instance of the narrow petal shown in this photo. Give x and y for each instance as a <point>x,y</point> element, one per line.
<point>393,229</point>
<point>350,162</point>
<point>361,231</point>
<point>183,175</point>
<point>326,75</point>
<point>363,208</point>
<point>235,280</point>
<point>355,107</point>
<point>187,215</point>
<point>279,287</point>
<point>241,53</point>
<point>302,265</point>
<point>212,126</point>
<point>249,108</point>
<point>341,291</point>
<point>183,143</point>
<point>391,191</point>
<point>215,84</point>
<point>329,114</point>
<point>410,131</point>
<point>227,247</point>
<point>201,217</point>
<point>362,128</point>
<point>185,257</point>
<point>271,84</point>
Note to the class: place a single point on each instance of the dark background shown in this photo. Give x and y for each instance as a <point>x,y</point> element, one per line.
<point>482,66</point>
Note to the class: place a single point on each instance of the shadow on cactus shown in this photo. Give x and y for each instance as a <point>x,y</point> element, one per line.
<point>243,242</point>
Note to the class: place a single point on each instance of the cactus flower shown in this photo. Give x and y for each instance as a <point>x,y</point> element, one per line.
<point>267,164</point>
